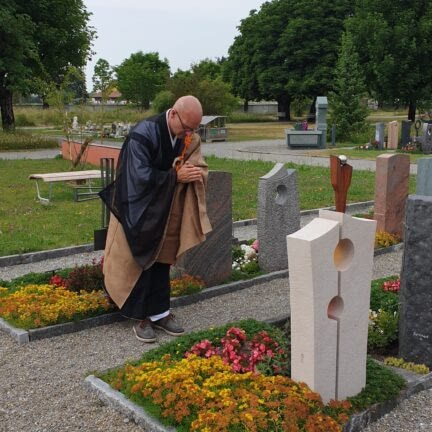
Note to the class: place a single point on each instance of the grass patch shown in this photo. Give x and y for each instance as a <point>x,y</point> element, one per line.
<point>26,225</point>
<point>25,141</point>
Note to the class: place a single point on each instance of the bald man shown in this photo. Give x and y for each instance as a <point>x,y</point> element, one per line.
<point>157,200</point>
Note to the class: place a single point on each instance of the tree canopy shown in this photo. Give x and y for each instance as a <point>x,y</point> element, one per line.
<point>40,40</point>
<point>141,76</point>
<point>392,39</point>
<point>287,50</point>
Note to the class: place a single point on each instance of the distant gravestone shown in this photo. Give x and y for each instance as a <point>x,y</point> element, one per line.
<point>393,132</point>
<point>415,322</point>
<point>212,259</point>
<point>278,215</point>
<point>321,106</point>
<point>426,139</point>
<point>406,132</point>
<point>424,177</point>
<point>75,122</point>
<point>379,135</point>
<point>391,191</point>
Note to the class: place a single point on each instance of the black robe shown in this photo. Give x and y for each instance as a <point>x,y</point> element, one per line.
<point>140,198</point>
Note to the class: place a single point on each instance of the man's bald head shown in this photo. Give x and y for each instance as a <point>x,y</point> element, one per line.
<point>186,114</point>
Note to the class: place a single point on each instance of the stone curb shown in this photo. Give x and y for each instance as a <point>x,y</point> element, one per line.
<point>360,421</point>
<point>26,336</point>
<point>31,257</point>
<point>357,422</point>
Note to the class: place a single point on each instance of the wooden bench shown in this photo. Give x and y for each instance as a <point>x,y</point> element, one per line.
<point>69,176</point>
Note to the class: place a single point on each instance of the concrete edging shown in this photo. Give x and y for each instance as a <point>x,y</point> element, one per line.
<point>25,336</point>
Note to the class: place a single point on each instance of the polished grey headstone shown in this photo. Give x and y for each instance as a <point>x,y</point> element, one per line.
<point>424,177</point>
<point>212,259</point>
<point>278,214</point>
<point>415,322</point>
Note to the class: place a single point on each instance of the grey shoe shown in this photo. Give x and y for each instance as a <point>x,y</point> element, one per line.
<point>144,331</point>
<point>168,325</point>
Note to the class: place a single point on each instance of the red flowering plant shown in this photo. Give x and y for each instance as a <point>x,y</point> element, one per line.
<point>261,353</point>
<point>57,280</point>
<point>391,285</point>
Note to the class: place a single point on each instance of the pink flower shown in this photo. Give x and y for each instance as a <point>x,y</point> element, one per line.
<point>254,245</point>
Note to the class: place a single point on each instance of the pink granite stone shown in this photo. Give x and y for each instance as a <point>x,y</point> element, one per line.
<point>391,192</point>
<point>393,135</point>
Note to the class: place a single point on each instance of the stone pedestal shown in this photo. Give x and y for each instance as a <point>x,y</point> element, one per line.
<point>330,262</point>
<point>393,135</point>
<point>415,322</point>
<point>212,259</point>
<point>391,191</point>
<point>278,215</point>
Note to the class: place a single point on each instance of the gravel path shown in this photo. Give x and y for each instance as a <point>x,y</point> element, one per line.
<point>42,382</point>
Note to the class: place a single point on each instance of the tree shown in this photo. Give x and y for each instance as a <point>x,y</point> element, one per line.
<point>287,50</point>
<point>103,78</point>
<point>40,40</point>
<point>214,94</point>
<point>141,76</point>
<point>392,39</point>
<point>346,109</point>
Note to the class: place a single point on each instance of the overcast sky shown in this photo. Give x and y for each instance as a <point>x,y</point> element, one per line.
<point>182,31</point>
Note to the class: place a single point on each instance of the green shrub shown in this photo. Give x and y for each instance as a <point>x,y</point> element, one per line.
<point>384,300</point>
<point>86,277</point>
<point>383,329</point>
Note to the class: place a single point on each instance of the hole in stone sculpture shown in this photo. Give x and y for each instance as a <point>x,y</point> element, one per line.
<point>343,254</point>
<point>335,308</point>
<point>281,195</point>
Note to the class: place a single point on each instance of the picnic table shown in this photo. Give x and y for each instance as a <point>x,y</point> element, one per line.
<point>73,177</point>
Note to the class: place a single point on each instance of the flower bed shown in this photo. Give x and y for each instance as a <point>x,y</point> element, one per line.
<point>236,378</point>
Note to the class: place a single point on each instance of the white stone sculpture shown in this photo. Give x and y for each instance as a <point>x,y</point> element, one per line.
<point>330,262</point>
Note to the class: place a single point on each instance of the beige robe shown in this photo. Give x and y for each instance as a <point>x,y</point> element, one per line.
<point>186,227</point>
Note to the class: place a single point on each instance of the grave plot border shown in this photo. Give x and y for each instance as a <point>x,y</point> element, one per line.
<point>23,336</point>
<point>356,423</point>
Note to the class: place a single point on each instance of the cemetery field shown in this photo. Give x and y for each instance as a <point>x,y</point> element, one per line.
<point>26,225</point>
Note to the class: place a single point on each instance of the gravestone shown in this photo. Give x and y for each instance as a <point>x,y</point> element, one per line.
<point>406,132</point>
<point>415,322</point>
<point>391,191</point>
<point>278,215</point>
<point>330,270</point>
<point>426,139</point>
<point>392,135</point>
<point>212,259</point>
<point>424,177</point>
<point>75,123</point>
<point>321,118</point>
<point>379,135</point>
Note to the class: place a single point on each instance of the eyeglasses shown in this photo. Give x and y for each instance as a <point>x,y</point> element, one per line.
<point>185,127</point>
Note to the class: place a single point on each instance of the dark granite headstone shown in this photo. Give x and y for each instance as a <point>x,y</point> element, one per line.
<point>212,259</point>
<point>415,322</point>
<point>278,215</point>
<point>406,132</point>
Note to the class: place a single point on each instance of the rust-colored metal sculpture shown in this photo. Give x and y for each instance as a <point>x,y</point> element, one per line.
<point>340,174</point>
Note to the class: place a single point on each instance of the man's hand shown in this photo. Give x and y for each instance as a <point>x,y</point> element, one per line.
<point>189,173</point>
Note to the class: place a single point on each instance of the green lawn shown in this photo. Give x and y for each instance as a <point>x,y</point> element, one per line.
<point>26,225</point>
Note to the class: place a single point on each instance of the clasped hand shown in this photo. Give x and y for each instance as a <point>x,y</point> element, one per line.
<point>189,173</point>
